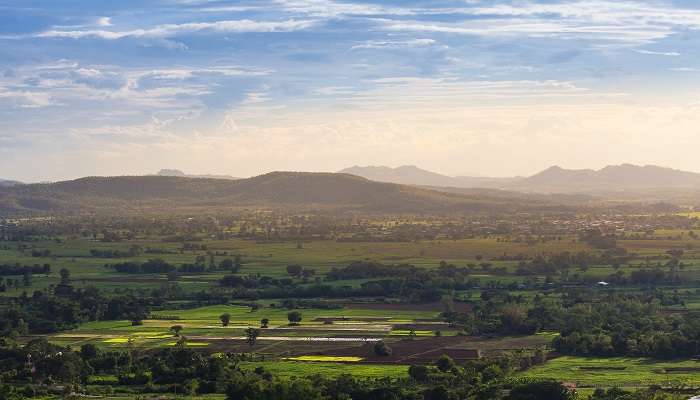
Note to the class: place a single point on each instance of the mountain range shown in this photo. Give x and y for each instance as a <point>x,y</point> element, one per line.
<point>7,183</point>
<point>276,189</point>
<point>412,175</point>
<point>555,188</point>
<point>614,178</point>
<point>179,173</point>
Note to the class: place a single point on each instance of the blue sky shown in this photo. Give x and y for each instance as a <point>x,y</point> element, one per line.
<point>245,87</point>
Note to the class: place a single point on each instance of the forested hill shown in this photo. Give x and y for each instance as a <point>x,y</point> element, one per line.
<point>613,178</point>
<point>276,189</point>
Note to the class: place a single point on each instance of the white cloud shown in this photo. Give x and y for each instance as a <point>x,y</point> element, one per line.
<point>27,99</point>
<point>395,44</point>
<point>659,53</point>
<point>104,21</point>
<point>109,88</point>
<point>411,93</point>
<point>169,30</point>
<point>629,34</point>
<point>622,22</point>
<point>684,69</point>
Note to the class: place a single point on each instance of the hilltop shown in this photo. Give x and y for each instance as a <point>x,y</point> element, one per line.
<point>413,175</point>
<point>614,178</point>
<point>275,189</point>
<point>177,172</point>
<point>8,183</point>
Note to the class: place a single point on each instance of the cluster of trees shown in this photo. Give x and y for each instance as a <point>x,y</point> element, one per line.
<point>255,281</point>
<point>187,372</point>
<point>590,323</point>
<point>41,253</point>
<point>627,325</point>
<point>17,269</point>
<point>408,282</point>
<point>133,251</point>
<point>597,239</point>
<point>153,266</point>
<point>159,266</point>
<point>68,307</point>
<point>368,269</point>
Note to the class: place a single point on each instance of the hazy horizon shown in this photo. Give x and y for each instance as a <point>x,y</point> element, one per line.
<point>206,173</point>
<point>463,87</point>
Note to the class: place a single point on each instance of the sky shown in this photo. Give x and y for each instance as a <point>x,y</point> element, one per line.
<point>461,87</point>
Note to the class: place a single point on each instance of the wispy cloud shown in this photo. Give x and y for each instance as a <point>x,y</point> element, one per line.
<point>26,98</point>
<point>624,34</point>
<point>357,75</point>
<point>684,69</point>
<point>104,21</point>
<point>170,30</point>
<point>395,44</point>
<point>658,53</point>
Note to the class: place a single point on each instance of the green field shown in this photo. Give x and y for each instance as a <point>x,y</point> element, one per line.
<point>268,259</point>
<point>203,325</point>
<point>618,372</point>
<point>291,369</point>
<point>271,259</point>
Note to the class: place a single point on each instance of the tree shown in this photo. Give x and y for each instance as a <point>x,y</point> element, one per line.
<point>264,323</point>
<point>307,273</point>
<point>294,317</point>
<point>176,329</point>
<point>191,386</point>
<point>294,270</point>
<point>436,393</point>
<point>445,363</point>
<point>550,390</point>
<point>419,372</point>
<point>381,349</point>
<point>229,265</point>
<point>181,343</point>
<point>225,319</point>
<point>65,277</point>
<point>173,276</point>
<point>89,351</point>
<point>251,335</point>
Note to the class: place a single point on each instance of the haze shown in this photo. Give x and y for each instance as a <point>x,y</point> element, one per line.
<point>469,87</point>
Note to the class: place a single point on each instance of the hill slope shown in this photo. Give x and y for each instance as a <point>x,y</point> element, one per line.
<point>276,189</point>
<point>610,178</point>
<point>177,172</point>
<point>614,178</point>
<point>412,175</point>
<point>8,183</point>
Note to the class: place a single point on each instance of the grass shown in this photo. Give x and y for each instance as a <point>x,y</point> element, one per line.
<point>325,359</point>
<point>268,259</point>
<point>202,323</point>
<point>402,332</point>
<point>618,372</point>
<point>292,369</point>
<point>189,344</point>
<point>118,340</point>
<point>271,259</point>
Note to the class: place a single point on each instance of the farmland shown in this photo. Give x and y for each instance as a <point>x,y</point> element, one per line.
<point>619,372</point>
<point>326,304</point>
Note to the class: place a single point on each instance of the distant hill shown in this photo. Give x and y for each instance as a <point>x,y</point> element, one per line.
<point>616,178</point>
<point>412,175</point>
<point>8,183</point>
<point>276,189</point>
<point>623,177</point>
<point>177,172</point>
